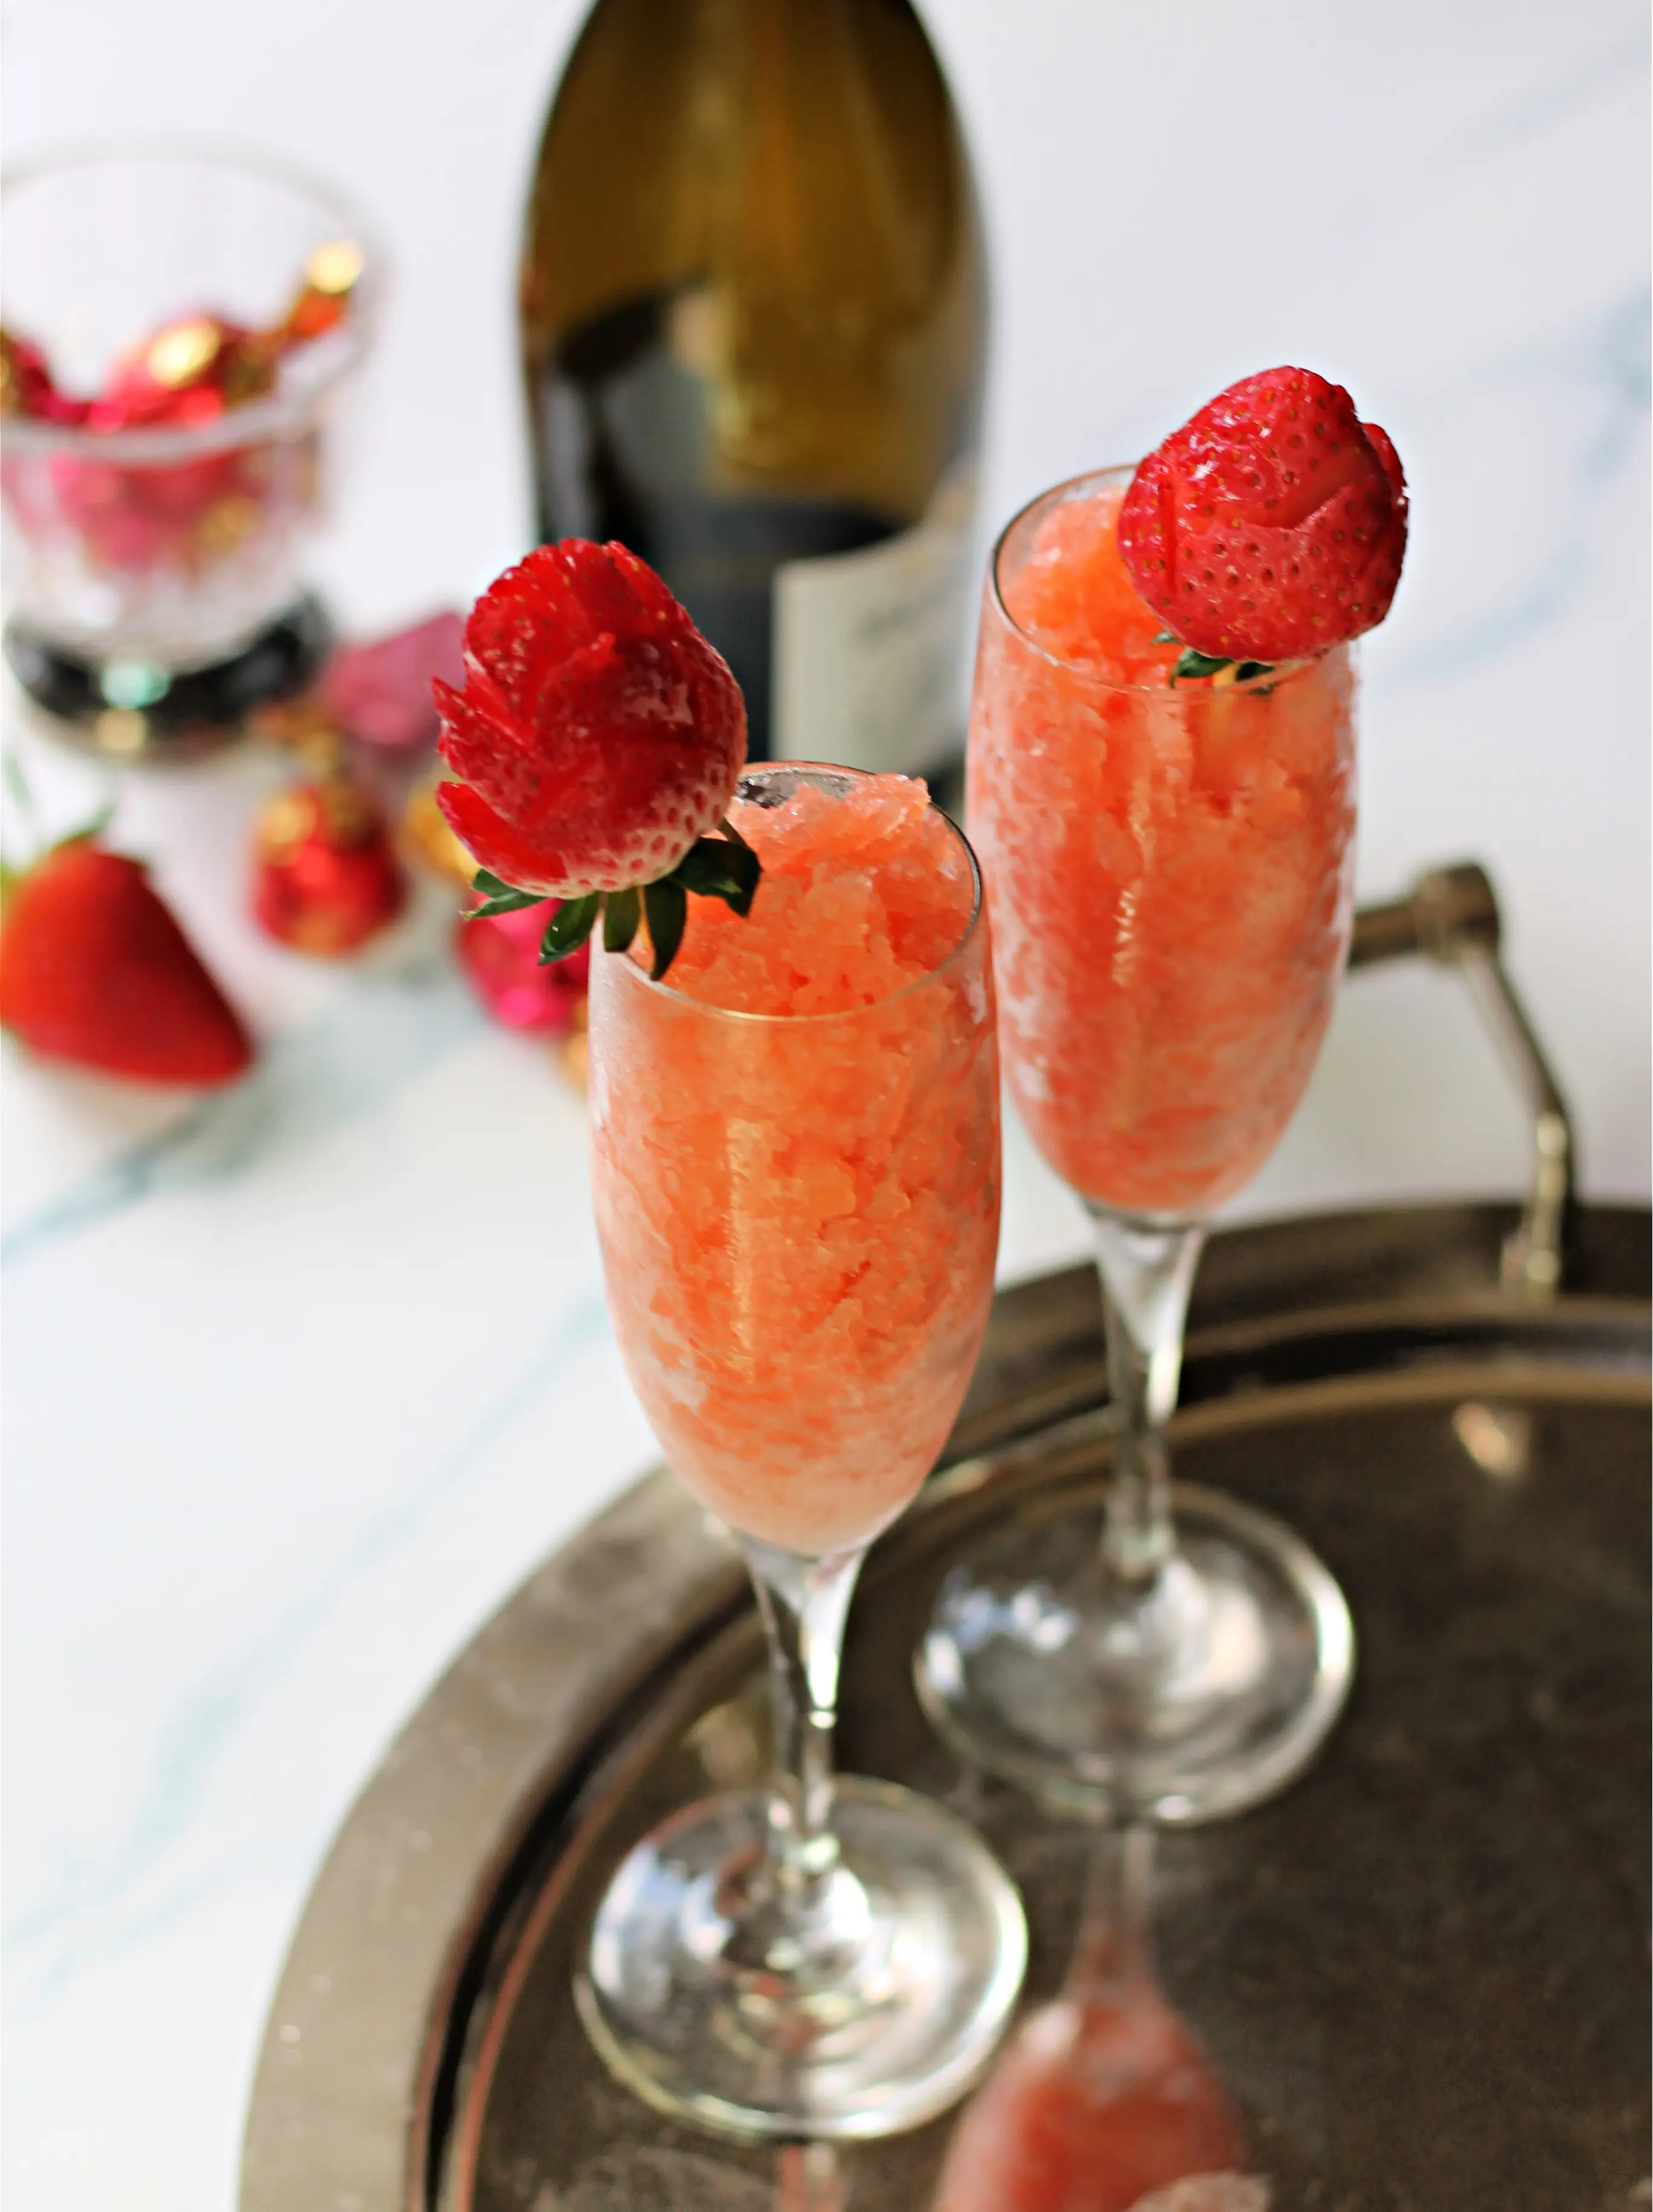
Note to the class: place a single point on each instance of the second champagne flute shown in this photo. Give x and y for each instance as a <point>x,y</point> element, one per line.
<point>1170,866</point>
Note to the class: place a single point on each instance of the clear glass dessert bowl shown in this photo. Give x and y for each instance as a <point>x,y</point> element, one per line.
<point>155,573</point>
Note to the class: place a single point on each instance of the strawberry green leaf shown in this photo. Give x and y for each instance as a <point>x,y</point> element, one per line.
<point>622,912</point>
<point>715,868</point>
<point>667,908</point>
<point>500,897</point>
<point>506,902</point>
<point>1191,664</point>
<point>568,927</point>
<point>747,868</point>
<point>723,867</point>
<point>703,869</point>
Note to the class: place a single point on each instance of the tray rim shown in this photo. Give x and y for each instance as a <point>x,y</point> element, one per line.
<point>342,2101</point>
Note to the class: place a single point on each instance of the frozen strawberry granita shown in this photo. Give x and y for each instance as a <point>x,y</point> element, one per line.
<point>863,892</point>
<point>795,1145</point>
<point>1169,870</point>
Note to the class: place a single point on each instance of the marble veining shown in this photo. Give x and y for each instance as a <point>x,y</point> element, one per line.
<point>1597,379</point>
<point>339,1068</point>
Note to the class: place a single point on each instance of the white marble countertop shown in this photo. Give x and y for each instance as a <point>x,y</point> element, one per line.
<point>300,1380</point>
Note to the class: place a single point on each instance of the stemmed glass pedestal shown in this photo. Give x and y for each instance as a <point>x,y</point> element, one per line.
<point>1179,1657</point>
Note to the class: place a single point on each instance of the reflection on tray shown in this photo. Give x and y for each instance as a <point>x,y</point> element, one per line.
<point>1103,2100</point>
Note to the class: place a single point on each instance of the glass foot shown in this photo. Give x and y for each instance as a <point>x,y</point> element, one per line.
<point>715,2003</point>
<point>1190,1699</point>
<point>137,710</point>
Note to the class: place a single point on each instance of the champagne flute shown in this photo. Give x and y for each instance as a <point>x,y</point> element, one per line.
<point>799,1218</point>
<point>1170,873</point>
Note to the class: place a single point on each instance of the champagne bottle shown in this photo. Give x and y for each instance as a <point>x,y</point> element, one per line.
<point>754,324</point>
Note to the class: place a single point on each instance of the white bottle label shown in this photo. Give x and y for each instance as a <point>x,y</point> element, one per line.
<point>869,668</point>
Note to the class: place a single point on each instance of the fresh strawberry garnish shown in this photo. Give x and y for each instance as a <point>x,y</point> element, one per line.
<point>95,968</point>
<point>1270,526</point>
<point>599,738</point>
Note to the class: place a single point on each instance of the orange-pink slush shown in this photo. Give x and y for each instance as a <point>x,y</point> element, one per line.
<point>796,1162</point>
<point>1168,870</point>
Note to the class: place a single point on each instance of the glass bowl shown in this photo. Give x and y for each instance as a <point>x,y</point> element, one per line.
<point>152,575</point>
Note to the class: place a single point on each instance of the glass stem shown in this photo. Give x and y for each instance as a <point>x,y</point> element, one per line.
<point>1147,1273</point>
<point>804,1603</point>
<point>1114,1944</point>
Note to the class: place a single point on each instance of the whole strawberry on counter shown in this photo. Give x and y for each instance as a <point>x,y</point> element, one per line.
<point>1271,525</point>
<point>95,968</point>
<point>598,739</point>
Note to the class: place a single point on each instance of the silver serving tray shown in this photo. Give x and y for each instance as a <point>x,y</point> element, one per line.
<point>1421,1973</point>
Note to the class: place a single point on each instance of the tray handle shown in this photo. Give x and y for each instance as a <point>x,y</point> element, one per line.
<point>1451,914</point>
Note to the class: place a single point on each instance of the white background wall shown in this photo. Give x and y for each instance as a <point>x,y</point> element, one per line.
<point>265,1470</point>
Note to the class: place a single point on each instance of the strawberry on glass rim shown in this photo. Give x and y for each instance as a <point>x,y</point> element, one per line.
<point>1270,526</point>
<point>598,739</point>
